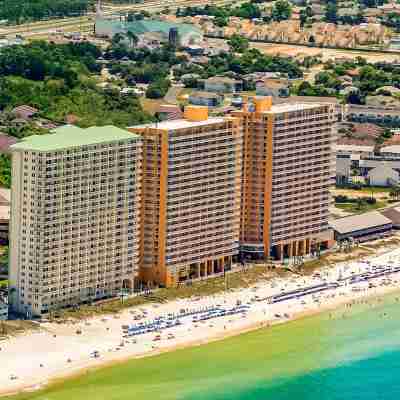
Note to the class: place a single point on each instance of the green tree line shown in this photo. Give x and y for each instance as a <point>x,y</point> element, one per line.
<point>20,11</point>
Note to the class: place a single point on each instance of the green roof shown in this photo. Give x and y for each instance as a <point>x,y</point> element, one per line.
<point>146,25</point>
<point>70,136</point>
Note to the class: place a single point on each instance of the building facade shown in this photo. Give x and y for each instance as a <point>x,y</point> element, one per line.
<point>287,171</point>
<point>74,234</point>
<point>3,311</point>
<point>191,196</point>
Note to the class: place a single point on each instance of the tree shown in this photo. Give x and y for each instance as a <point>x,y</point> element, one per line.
<point>117,38</point>
<point>394,192</point>
<point>221,21</point>
<point>238,43</point>
<point>281,10</point>
<point>331,13</point>
<point>158,89</point>
<point>133,39</point>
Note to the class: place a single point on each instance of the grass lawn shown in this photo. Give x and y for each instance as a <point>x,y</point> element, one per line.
<point>151,105</point>
<point>354,208</point>
<point>365,189</point>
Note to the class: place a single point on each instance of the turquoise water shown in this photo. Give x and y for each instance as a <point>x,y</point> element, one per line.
<point>357,356</point>
<point>349,354</point>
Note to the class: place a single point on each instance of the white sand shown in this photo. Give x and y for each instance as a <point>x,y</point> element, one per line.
<point>54,344</point>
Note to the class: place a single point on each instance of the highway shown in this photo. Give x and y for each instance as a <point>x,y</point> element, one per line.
<point>85,23</point>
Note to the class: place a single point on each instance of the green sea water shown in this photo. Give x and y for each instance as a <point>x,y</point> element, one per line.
<point>349,354</point>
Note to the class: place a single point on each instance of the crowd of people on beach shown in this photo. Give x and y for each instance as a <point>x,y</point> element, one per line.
<point>151,328</point>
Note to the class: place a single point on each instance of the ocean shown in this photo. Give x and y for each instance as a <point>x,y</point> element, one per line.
<point>347,354</point>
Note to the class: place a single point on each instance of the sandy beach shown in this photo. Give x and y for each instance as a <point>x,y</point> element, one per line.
<point>32,360</point>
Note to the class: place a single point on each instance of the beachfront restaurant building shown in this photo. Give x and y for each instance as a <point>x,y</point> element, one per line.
<point>368,226</point>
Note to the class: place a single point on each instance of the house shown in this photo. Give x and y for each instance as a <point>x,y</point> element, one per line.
<point>5,142</point>
<point>168,112</point>
<point>343,169</point>
<point>273,87</point>
<point>373,114</point>
<point>393,213</point>
<point>391,90</point>
<point>5,195</point>
<point>383,175</point>
<point>222,84</point>
<point>25,112</point>
<point>206,99</point>
<point>349,90</point>
<point>194,50</point>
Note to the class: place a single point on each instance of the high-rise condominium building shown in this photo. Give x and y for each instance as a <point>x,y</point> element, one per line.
<point>191,196</point>
<point>75,217</point>
<point>287,161</point>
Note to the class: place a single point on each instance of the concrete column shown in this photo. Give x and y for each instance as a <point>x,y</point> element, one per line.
<point>308,246</point>
<point>295,248</point>
<point>304,247</point>
<point>290,249</point>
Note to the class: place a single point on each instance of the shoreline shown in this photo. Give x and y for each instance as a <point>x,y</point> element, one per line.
<point>93,367</point>
<point>207,335</point>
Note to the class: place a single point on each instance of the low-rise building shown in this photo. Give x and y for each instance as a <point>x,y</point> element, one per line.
<point>168,112</point>
<point>383,175</point>
<point>343,169</point>
<point>222,84</point>
<point>25,112</point>
<point>379,115</point>
<point>187,34</point>
<point>206,99</point>
<point>4,214</point>
<point>361,227</point>
<point>273,87</point>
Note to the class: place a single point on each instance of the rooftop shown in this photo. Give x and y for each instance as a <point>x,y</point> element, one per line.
<point>223,79</point>
<point>69,136</point>
<point>391,149</point>
<point>147,25</point>
<point>207,95</point>
<point>359,222</point>
<point>179,124</point>
<point>306,99</point>
<point>288,107</point>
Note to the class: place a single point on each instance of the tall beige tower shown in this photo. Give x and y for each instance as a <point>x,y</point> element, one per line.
<point>191,196</point>
<point>75,217</point>
<point>287,162</point>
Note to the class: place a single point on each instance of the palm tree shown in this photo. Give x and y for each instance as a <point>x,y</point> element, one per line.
<point>395,192</point>
<point>117,38</point>
<point>133,39</point>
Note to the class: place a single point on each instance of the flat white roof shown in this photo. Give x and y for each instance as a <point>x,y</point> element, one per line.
<point>6,193</point>
<point>391,149</point>
<point>180,124</point>
<point>354,147</point>
<point>4,212</point>
<point>288,107</point>
<point>359,222</point>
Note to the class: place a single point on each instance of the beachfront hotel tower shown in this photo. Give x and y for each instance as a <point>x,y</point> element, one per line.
<point>74,231</point>
<point>287,170</point>
<point>191,196</point>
